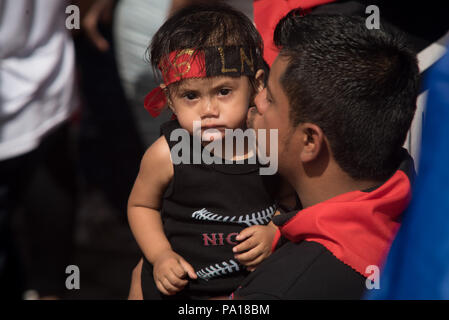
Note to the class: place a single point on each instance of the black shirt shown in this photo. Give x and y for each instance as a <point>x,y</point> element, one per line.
<point>304,270</point>
<point>203,210</point>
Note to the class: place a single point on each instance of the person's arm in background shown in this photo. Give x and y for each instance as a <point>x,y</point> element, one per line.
<point>95,11</point>
<point>92,13</point>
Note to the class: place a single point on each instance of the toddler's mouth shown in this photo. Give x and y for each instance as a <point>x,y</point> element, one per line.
<point>213,126</point>
<point>212,133</point>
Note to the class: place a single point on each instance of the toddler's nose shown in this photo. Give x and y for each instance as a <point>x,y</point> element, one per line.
<point>210,109</point>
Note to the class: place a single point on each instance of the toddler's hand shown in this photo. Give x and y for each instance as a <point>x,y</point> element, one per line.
<point>170,272</point>
<point>256,245</point>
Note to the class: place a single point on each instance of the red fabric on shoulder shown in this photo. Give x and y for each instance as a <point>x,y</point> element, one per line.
<point>276,239</point>
<point>357,227</point>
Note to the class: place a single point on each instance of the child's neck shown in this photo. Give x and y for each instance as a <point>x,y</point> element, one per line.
<point>237,155</point>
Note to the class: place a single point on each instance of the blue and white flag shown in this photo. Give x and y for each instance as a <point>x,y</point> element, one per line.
<point>417,266</point>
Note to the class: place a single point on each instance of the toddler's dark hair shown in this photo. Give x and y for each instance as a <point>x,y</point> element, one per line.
<point>201,26</point>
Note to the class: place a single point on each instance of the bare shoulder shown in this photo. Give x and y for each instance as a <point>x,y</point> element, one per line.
<point>156,161</point>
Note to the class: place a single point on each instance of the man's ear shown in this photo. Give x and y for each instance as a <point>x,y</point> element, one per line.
<point>167,96</point>
<point>313,141</point>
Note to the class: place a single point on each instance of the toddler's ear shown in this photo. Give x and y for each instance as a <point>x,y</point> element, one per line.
<point>167,95</point>
<point>260,81</point>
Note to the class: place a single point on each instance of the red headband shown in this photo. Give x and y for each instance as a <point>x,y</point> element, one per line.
<point>182,64</point>
<point>188,63</point>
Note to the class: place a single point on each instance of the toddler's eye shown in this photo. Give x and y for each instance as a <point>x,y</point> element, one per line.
<point>224,92</point>
<point>190,95</point>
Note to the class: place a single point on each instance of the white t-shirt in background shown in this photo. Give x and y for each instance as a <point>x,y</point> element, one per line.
<point>36,73</point>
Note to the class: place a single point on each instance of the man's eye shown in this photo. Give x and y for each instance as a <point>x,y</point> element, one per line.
<point>224,92</point>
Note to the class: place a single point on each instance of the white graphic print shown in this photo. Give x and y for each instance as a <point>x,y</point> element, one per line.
<point>218,269</point>
<point>255,218</point>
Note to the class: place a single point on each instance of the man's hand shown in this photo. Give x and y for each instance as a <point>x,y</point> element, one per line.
<point>170,272</point>
<point>256,245</point>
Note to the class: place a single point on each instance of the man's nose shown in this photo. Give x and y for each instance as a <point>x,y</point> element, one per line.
<point>260,101</point>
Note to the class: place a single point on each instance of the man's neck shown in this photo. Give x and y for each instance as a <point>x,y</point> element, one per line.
<point>313,190</point>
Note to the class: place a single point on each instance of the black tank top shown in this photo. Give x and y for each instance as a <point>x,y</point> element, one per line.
<point>205,207</point>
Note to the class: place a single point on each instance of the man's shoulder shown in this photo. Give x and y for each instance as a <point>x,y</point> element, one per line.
<point>304,270</point>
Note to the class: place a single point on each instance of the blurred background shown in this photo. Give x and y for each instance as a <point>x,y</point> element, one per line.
<point>73,129</point>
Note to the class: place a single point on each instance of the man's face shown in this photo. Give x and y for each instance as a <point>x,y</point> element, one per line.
<point>273,113</point>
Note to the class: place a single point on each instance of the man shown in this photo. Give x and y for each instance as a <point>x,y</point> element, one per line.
<point>342,98</point>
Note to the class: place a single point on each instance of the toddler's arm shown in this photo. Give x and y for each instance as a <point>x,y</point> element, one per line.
<point>257,241</point>
<point>156,171</point>
<point>255,246</point>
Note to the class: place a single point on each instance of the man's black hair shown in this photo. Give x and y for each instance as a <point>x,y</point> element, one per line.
<point>358,85</point>
<point>202,26</point>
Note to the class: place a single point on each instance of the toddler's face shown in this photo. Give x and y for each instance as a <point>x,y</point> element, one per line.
<point>217,102</point>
